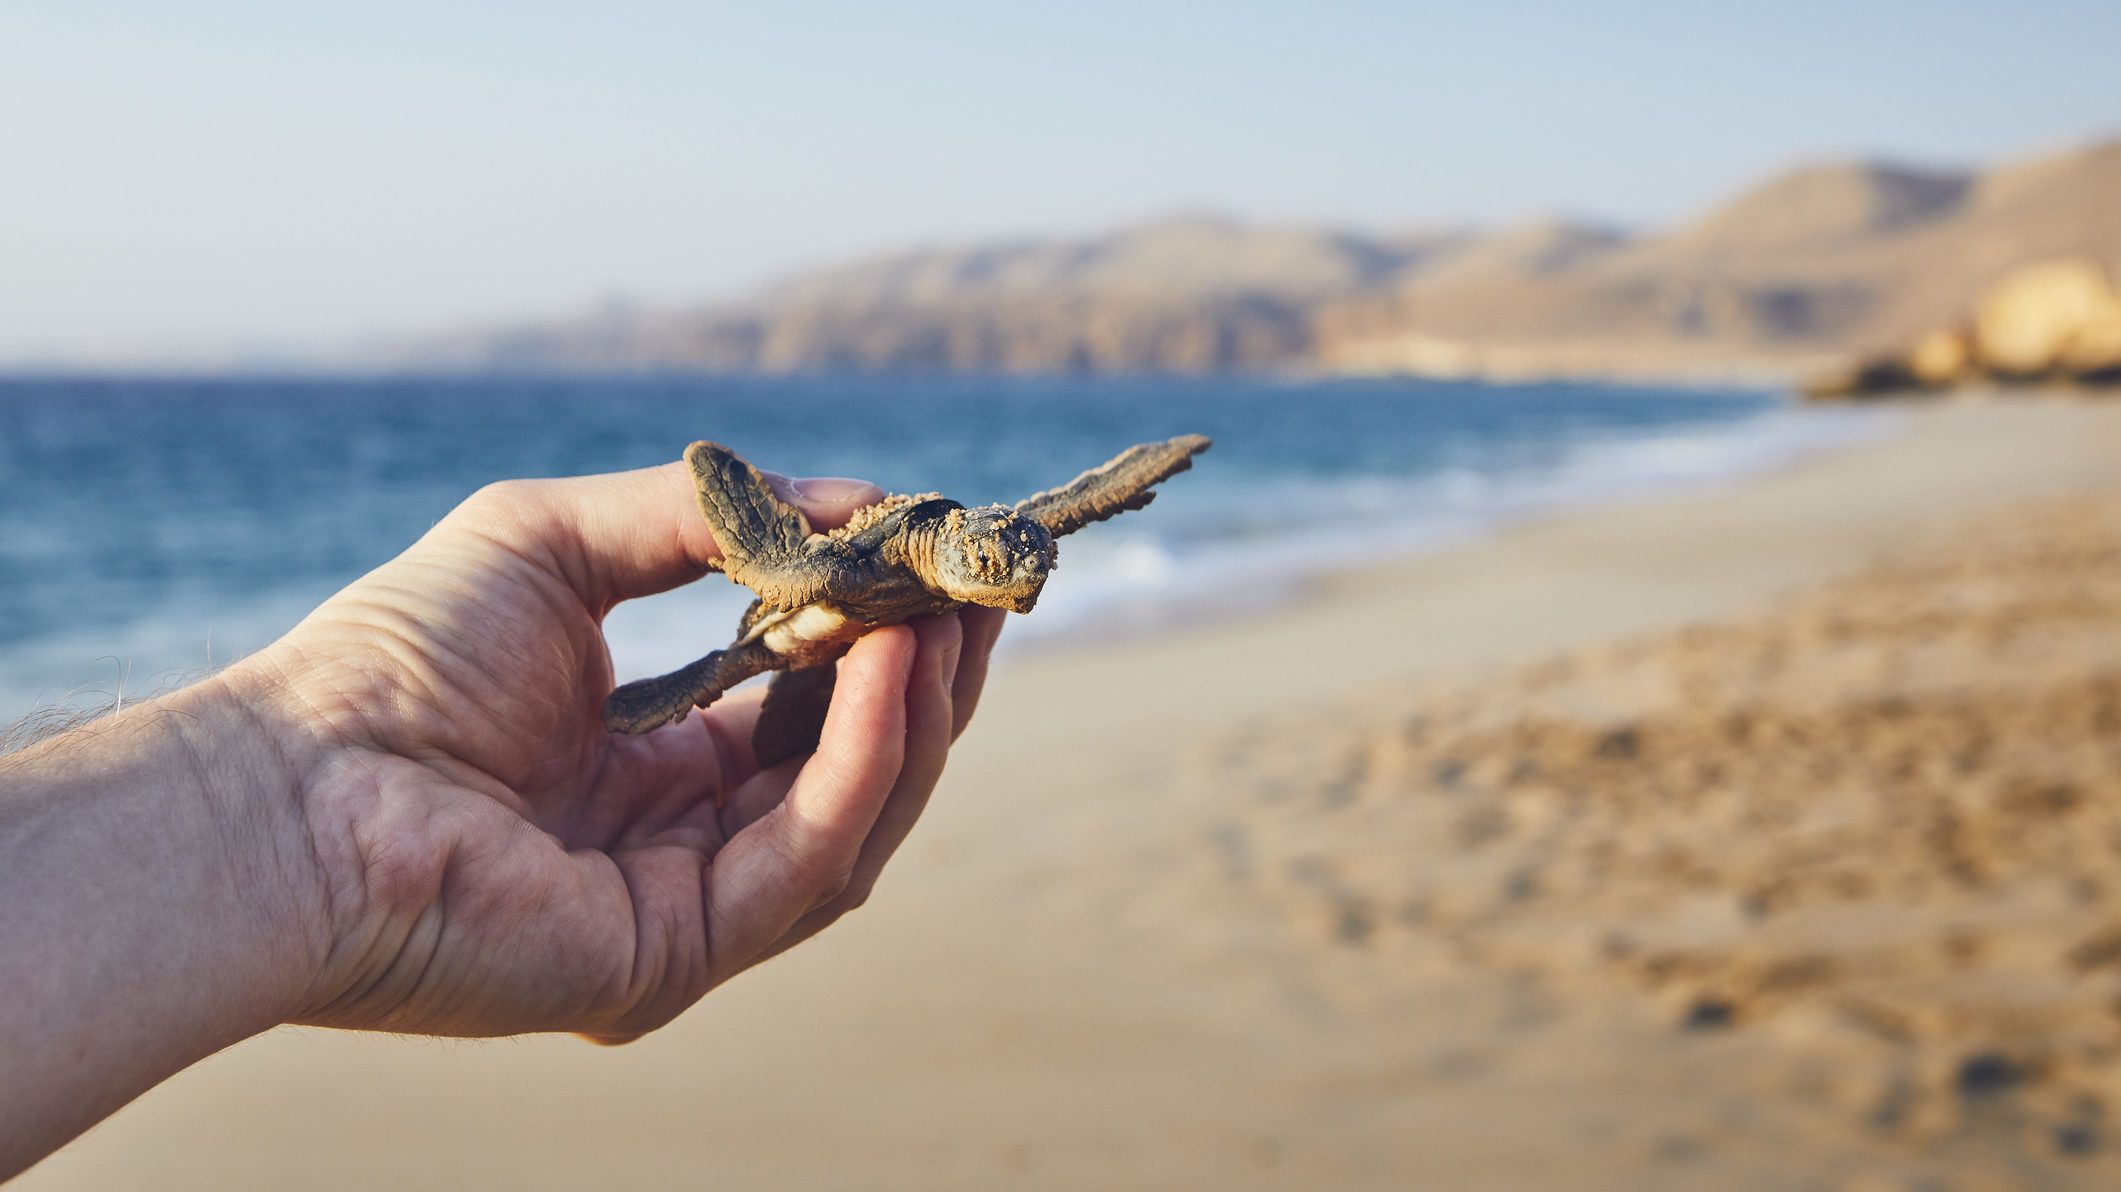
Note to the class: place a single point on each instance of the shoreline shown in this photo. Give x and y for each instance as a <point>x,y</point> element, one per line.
<point>1754,538</point>
<point>1597,476</point>
<point>1120,949</point>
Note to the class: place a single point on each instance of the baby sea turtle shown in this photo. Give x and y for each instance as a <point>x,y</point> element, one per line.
<point>903,557</point>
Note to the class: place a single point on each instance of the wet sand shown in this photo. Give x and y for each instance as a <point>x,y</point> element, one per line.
<point>1766,838</point>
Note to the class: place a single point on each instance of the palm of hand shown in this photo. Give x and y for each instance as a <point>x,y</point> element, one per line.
<point>494,862</point>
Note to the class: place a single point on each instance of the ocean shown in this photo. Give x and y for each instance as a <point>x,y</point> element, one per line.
<point>153,528</point>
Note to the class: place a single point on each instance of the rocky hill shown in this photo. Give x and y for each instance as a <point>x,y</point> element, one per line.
<point>1186,295</point>
<point>1816,265</point>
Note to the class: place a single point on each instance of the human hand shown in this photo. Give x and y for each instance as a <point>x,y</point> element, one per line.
<point>488,860</point>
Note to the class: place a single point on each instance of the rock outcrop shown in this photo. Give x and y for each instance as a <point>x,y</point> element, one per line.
<point>2053,322</point>
<point>2059,318</point>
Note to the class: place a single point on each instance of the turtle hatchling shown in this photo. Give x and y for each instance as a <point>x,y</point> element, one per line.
<point>903,557</point>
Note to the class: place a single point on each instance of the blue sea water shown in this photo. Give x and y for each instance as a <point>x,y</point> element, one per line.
<point>151,528</point>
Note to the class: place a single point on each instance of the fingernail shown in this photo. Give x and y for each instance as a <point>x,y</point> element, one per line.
<point>832,490</point>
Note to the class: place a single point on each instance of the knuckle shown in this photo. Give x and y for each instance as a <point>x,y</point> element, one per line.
<point>632,1027</point>
<point>502,499</point>
<point>832,882</point>
<point>500,492</point>
<point>814,868</point>
<point>824,884</point>
<point>655,1018</point>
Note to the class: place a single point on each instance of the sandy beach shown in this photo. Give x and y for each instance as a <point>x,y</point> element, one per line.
<point>1760,838</point>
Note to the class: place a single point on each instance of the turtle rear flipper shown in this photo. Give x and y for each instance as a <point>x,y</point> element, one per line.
<point>793,716</point>
<point>1114,487</point>
<point>645,705</point>
<point>758,532</point>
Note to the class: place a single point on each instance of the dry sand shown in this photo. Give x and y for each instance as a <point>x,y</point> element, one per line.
<point>1472,871</point>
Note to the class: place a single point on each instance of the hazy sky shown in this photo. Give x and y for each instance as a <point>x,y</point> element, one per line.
<point>178,178</point>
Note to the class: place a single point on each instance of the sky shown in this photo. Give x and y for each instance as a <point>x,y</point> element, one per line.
<point>186,179</point>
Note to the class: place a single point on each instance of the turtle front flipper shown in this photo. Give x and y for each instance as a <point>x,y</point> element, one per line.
<point>1111,489</point>
<point>648,704</point>
<point>793,716</point>
<point>759,534</point>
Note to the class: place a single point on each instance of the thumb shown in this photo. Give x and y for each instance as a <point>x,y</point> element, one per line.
<point>623,535</point>
<point>828,501</point>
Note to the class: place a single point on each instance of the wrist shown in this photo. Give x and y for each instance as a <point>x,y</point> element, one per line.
<point>249,759</point>
<point>160,902</point>
<point>198,791</point>
<point>315,781</point>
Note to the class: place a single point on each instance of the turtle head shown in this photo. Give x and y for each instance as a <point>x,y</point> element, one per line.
<point>993,556</point>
